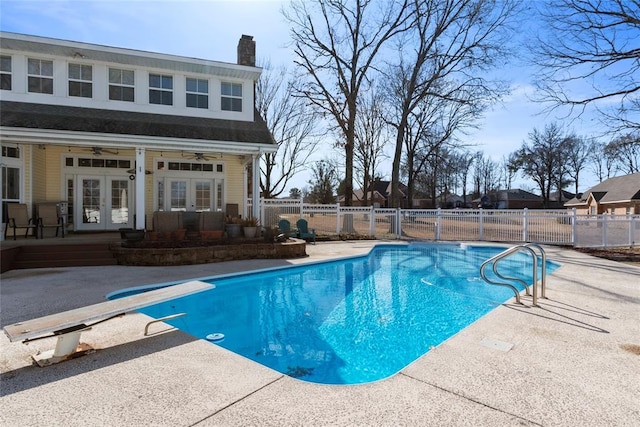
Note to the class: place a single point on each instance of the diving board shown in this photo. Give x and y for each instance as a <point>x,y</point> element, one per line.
<point>68,325</point>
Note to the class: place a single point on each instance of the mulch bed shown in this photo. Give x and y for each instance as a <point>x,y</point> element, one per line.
<point>627,255</point>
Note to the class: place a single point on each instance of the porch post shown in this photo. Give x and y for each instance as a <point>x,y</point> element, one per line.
<point>140,193</point>
<point>255,193</point>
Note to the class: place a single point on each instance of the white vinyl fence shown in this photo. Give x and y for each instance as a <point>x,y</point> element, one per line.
<point>557,226</point>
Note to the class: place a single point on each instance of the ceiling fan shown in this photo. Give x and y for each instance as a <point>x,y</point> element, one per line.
<point>98,151</point>
<point>199,157</point>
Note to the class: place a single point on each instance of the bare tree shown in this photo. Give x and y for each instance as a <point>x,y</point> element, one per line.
<point>453,41</point>
<point>596,42</point>
<point>542,159</point>
<point>577,156</point>
<point>601,161</point>
<point>429,135</point>
<point>336,43</point>
<point>323,183</point>
<point>369,142</point>
<point>625,151</point>
<point>486,179</point>
<point>292,125</point>
<point>508,172</point>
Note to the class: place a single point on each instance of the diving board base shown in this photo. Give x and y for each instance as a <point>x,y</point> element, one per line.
<point>68,346</point>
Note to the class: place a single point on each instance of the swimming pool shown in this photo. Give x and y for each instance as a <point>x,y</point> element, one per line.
<point>347,321</point>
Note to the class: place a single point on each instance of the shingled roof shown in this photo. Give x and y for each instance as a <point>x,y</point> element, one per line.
<point>613,190</point>
<point>56,117</point>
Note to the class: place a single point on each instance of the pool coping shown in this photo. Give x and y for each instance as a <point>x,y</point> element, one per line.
<point>570,362</point>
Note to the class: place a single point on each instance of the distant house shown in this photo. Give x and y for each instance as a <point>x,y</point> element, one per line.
<point>508,199</point>
<point>378,194</point>
<point>617,195</point>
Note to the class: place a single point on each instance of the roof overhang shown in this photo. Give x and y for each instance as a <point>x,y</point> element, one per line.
<point>90,139</point>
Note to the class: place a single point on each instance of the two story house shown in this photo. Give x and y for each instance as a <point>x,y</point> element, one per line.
<point>113,134</point>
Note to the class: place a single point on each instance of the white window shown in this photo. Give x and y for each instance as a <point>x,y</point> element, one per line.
<point>160,89</point>
<point>40,75</point>
<point>121,85</point>
<point>81,80</point>
<point>231,96</point>
<point>197,93</point>
<point>5,72</point>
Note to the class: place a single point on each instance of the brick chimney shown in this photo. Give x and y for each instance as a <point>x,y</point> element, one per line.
<point>247,51</point>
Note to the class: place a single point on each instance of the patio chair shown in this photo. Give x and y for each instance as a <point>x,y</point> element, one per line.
<point>211,225</point>
<point>48,217</point>
<point>304,232</point>
<point>167,225</point>
<point>285,228</point>
<point>18,217</point>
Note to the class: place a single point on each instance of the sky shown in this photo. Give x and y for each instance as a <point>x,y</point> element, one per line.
<point>210,29</point>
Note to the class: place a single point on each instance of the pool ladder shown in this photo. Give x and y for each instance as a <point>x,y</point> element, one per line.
<point>507,281</point>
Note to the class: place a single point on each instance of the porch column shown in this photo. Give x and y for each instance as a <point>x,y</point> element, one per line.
<point>140,193</point>
<point>255,186</point>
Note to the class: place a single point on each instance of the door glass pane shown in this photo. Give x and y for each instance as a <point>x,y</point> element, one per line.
<point>10,183</point>
<point>203,196</point>
<point>178,197</point>
<point>119,202</point>
<point>91,201</point>
<point>219,196</point>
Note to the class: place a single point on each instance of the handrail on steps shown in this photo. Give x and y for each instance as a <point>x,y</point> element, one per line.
<point>528,247</point>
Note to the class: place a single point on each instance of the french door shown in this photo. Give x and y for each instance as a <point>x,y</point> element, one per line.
<point>190,194</point>
<point>103,203</point>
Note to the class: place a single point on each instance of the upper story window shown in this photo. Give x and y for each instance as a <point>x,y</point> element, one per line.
<point>5,72</point>
<point>121,85</point>
<point>40,73</point>
<point>81,80</point>
<point>231,96</point>
<point>160,89</point>
<point>197,93</point>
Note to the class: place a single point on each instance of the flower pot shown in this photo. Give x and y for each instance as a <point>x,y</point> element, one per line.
<point>250,232</point>
<point>233,230</point>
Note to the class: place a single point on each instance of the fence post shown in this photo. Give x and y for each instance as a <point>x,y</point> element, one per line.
<point>605,225</point>
<point>631,228</point>
<point>574,227</point>
<point>438,212</point>
<point>481,223</point>
<point>301,207</point>
<point>338,219</point>
<point>525,225</point>
<point>372,222</point>
<point>398,229</point>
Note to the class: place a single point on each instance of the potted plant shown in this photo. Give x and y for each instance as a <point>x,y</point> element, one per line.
<point>233,227</point>
<point>250,227</point>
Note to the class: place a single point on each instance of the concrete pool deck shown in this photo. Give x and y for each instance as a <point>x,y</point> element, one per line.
<point>573,361</point>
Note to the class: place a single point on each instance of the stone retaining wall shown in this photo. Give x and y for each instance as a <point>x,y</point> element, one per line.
<point>293,248</point>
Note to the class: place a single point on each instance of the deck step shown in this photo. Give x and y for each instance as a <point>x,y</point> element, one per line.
<point>64,255</point>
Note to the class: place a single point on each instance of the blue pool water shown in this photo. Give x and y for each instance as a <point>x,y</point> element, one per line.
<point>348,321</point>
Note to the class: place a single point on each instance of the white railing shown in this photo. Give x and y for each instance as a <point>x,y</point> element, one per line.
<point>555,226</point>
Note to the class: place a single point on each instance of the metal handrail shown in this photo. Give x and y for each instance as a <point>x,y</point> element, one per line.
<point>162,319</point>
<point>528,247</point>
